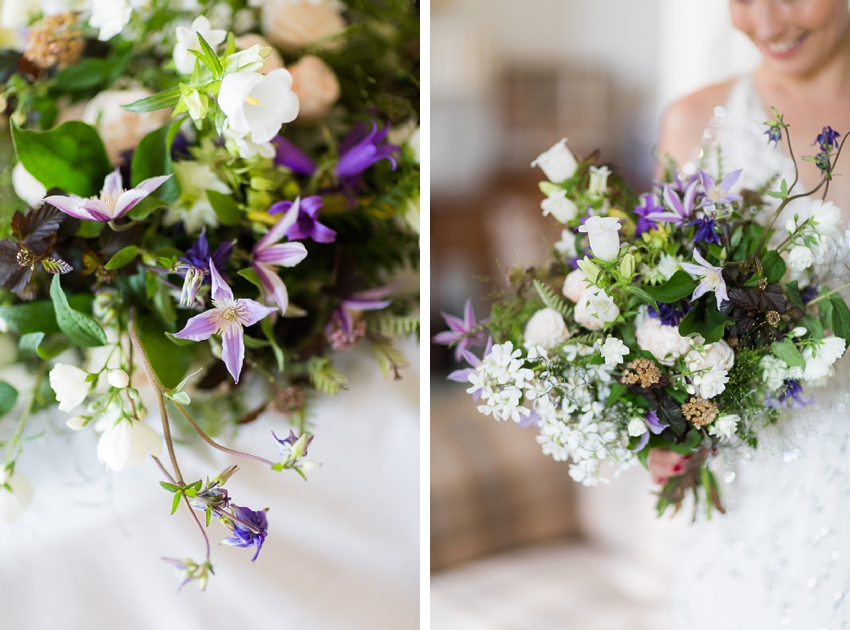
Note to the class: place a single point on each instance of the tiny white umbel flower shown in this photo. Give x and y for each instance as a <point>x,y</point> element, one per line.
<point>801,258</point>
<point>258,104</point>
<point>110,16</point>
<point>70,385</point>
<point>187,39</point>
<point>604,236</point>
<point>15,498</point>
<point>127,443</point>
<point>557,163</point>
<point>613,351</point>
<point>559,206</point>
<point>724,426</point>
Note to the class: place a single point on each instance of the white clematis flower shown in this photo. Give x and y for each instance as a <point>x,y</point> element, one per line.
<point>16,500</point>
<point>70,385</point>
<point>187,39</point>
<point>110,16</point>
<point>127,443</point>
<point>258,104</point>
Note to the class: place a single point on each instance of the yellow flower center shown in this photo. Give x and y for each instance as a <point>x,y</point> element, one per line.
<point>251,100</point>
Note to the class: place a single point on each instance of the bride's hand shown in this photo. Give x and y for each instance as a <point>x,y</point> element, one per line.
<point>664,463</point>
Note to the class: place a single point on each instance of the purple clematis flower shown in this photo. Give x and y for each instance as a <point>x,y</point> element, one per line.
<point>683,209</point>
<point>649,212</point>
<point>227,317</point>
<point>293,158</point>
<point>114,202</point>
<point>269,253</point>
<point>462,376</point>
<point>307,224</point>
<point>362,148</point>
<point>654,426</point>
<point>711,278</point>
<point>718,194</point>
<point>460,331</point>
<point>370,300</point>
<point>245,537</point>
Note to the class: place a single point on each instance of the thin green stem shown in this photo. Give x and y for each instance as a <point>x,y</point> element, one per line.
<point>14,446</point>
<point>200,526</point>
<point>206,438</point>
<point>827,294</point>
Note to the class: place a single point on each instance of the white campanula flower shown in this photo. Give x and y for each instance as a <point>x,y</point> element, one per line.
<point>16,498</point>
<point>711,278</point>
<point>613,351</point>
<point>258,104</point>
<point>110,16</point>
<point>559,206</point>
<point>249,59</point>
<point>724,426</point>
<point>567,245</point>
<point>801,258</point>
<point>601,305</point>
<point>711,382</point>
<point>604,236</point>
<point>598,185</point>
<point>70,384</point>
<point>820,357</point>
<point>546,328</point>
<point>663,342</point>
<point>127,443</point>
<point>558,163</point>
<point>26,186</point>
<point>637,427</point>
<point>244,147</point>
<point>187,39</point>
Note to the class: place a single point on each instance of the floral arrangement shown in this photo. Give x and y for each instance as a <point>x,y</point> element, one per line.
<point>666,329</point>
<point>201,203</point>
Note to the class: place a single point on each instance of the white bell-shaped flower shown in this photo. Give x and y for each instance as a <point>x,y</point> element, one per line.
<point>258,104</point>
<point>16,500</point>
<point>70,385</point>
<point>127,443</point>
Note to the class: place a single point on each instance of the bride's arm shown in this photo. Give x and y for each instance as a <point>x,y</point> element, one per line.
<point>683,123</point>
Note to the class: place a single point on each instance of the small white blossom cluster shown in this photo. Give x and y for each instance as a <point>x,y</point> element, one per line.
<point>810,231</point>
<point>576,425</point>
<point>775,372</point>
<point>501,378</point>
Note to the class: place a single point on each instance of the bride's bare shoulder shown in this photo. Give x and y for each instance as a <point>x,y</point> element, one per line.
<point>684,121</point>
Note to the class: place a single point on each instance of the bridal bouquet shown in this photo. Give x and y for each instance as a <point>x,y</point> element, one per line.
<point>675,325</point>
<point>211,199</point>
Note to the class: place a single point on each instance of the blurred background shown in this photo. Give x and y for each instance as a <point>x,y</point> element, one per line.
<point>515,543</point>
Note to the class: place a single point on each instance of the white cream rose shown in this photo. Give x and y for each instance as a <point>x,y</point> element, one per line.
<point>316,86</point>
<point>718,354</point>
<point>546,328</point>
<point>575,284</point>
<point>295,24</point>
<point>663,342</point>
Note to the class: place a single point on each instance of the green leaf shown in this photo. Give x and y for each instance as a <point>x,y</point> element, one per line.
<point>34,344</point>
<point>8,398</point>
<point>788,352</point>
<point>704,319</point>
<point>153,158</point>
<point>226,209</point>
<point>81,329</point>
<point>90,229</point>
<point>176,502</point>
<point>774,266</point>
<point>689,445</point>
<point>643,295</point>
<point>251,276</point>
<point>122,258</point>
<point>813,325</point>
<point>840,318</point>
<point>146,206</point>
<point>617,391</point>
<point>268,331</point>
<point>678,287</point>
<point>209,58</point>
<point>169,486</point>
<point>794,296</point>
<point>70,156</point>
<point>169,98</point>
<point>169,361</point>
<point>825,310</point>
<point>31,317</point>
<point>252,342</point>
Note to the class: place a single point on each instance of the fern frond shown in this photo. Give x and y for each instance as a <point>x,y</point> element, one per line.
<point>390,358</point>
<point>325,377</point>
<point>551,299</point>
<point>395,325</point>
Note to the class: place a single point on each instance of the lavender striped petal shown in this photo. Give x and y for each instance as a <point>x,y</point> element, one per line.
<point>151,184</point>
<point>272,285</point>
<point>127,201</point>
<point>200,327</point>
<point>283,254</point>
<point>69,205</point>
<point>112,183</point>
<point>220,291</point>
<point>280,228</point>
<point>254,310</point>
<point>233,351</point>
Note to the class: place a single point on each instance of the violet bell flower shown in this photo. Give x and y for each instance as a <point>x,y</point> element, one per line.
<point>649,212</point>
<point>307,224</point>
<point>361,148</point>
<point>244,536</point>
<point>293,158</point>
<point>114,202</point>
<point>683,209</point>
<point>460,333</point>
<point>268,254</point>
<point>227,317</point>
<point>653,425</point>
<point>705,232</point>
<point>718,194</point>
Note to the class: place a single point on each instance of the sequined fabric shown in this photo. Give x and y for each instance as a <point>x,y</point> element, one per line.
<point>780,557</point>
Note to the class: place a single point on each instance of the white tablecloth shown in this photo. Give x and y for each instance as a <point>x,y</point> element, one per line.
<point>342,551</point>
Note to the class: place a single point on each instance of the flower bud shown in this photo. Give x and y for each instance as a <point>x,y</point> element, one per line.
<point>627,265</point>
<point>790,226</point>
<point>637,427</point>
<point>77,422</point>
<point>799,331</point>
<point>118,378</point>
<point>589,268</point>
<point>604,236</point>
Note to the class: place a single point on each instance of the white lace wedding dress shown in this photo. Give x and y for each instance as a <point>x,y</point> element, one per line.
<point>780,557</point>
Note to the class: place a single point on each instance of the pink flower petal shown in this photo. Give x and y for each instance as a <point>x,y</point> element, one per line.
<point>272,285</point>
<point>112,183</point>
<point>233,351</point>
<point>220,291</point>
<point>283,254</point>
<point>254,310</point>
<point>69,205</point>
<point>150,185</point>
<point>200,327</point>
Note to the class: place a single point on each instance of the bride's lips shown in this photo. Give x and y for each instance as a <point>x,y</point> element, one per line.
<point>783,50</point>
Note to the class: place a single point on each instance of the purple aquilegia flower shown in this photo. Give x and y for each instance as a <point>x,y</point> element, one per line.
<point>227,317</point>
<point>307,224</point>
<point>195,267</point>
<point>711,278</point>
<point>718,194</point>
<point>774,134</point>
<point>268,254</point>
<point>286,445</point>
<point>114,202</point>
<point>649,212</point>
<point>342,331</point>
<point>244,536</point>
<point>293,158</point>
<point>792,395</point>
<point>670,314</point>
<point>809,293</point>
<point>827,139</point>
<point>188,570</point>
<point>705,232</point>
<point>362,148</point>
<point>683,209</point>
<point>460,331</point>
<point>653,425</point>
